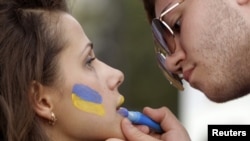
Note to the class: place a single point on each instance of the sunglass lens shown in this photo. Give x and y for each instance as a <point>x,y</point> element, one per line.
<point>159,30</point>
<point>174,79</point>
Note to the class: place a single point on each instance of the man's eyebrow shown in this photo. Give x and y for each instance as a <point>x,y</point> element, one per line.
<point>169,7</point>
<point>166,7</point>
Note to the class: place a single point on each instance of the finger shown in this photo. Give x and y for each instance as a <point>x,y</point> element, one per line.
<point>164,116</point>
<point>134,134</point>
<point>169,123</point>
<point>145,129</point>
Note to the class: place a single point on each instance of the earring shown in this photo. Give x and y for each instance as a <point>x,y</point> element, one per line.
<point>53,119</point>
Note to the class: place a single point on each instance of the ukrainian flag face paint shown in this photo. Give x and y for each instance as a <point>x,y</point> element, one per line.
<point>87,100</point>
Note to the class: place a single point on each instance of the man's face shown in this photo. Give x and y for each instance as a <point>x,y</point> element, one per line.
<point>212,46</point>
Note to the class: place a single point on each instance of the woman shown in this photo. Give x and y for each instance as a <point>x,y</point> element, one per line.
<point>52,86</point>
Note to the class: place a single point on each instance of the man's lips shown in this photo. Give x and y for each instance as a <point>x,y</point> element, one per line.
<point>187,74</point>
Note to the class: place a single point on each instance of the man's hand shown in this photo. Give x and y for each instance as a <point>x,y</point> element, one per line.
<point>174,131</point>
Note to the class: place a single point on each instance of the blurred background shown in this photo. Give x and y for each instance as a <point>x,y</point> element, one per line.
<point>122,39</point>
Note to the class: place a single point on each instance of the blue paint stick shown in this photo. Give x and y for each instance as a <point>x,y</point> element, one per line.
<point>139,118</point>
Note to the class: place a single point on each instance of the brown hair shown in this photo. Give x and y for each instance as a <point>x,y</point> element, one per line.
<point>29,46</point>
<point>149,6</point>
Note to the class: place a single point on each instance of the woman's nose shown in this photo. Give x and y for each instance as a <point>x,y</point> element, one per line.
<point>114,78</point>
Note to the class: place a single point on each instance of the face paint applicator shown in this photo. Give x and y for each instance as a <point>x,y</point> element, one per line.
<point>139,118</point>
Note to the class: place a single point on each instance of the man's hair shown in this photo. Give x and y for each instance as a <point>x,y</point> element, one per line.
<point>149,6</point>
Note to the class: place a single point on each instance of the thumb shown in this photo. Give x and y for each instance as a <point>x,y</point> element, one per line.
<point>134,134</point>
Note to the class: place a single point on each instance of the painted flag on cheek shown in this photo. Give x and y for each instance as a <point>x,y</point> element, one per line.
<point>87,100</point>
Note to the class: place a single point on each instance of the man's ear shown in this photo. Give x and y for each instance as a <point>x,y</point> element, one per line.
<point>41,99</point>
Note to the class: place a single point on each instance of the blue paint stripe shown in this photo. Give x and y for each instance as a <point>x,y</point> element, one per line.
<point>86,93</point>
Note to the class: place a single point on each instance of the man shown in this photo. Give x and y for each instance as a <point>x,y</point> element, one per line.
<point>207,43</point>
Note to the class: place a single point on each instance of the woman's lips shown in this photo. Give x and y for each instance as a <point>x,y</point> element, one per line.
<point>187,74</point>
<point>120,101</point>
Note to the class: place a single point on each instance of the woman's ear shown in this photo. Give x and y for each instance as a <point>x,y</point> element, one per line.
<point>41,99</point>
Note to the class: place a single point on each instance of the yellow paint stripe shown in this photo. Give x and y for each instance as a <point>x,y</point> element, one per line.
<point>87,106</point>
<point>121,100</point>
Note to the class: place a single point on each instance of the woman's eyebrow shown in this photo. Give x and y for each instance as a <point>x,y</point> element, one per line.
<point>89,44</point>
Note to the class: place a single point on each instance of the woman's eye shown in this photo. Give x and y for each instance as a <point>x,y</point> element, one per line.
<point>89,61</point>
<point>177,26</point>
<point>90,58</point>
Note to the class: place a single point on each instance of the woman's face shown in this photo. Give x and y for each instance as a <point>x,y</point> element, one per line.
<point>86,108</point>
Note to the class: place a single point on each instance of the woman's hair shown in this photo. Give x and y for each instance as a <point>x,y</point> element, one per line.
<point>29,47</point>
<point>149,7</point>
